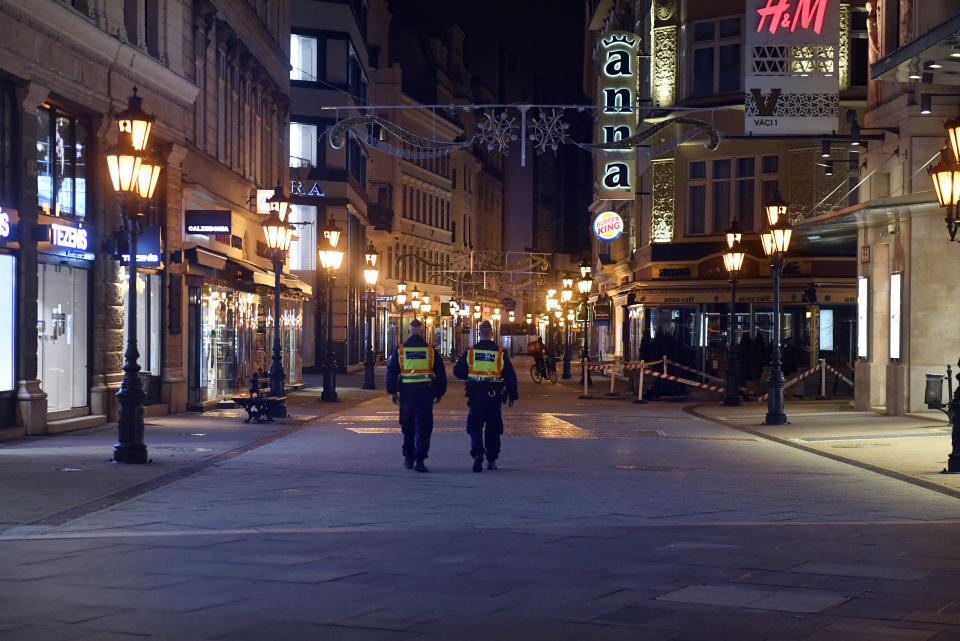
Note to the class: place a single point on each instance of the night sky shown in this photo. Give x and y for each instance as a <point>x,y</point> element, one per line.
<point>543,37</point>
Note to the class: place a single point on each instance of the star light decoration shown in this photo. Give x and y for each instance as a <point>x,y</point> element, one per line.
<point>549,130</point>
<point>497,130</point>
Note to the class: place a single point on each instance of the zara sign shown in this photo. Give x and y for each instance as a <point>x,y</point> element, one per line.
<point>618,118</point>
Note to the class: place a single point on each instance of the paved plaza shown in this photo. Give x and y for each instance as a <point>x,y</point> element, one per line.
<point>606,520</point>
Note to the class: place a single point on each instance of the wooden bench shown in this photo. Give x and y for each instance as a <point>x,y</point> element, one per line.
<point>258,404</point>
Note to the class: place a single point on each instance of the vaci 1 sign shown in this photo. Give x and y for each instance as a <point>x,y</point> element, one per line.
<point>608,225</point>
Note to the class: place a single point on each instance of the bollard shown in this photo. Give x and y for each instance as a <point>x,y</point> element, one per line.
<point>613,381</point>
<point>586,378</point>
<point>823,378</point>
<point>665,364</point>
<point>639,398</point>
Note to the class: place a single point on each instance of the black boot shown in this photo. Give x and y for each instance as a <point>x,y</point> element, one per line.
<point>420,467</point>
<point>491,465</point>
<point>477,463</point>
<point>408,462</point>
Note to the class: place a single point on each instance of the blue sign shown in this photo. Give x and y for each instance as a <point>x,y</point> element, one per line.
<point>148,248</point>
<point>4,225</point>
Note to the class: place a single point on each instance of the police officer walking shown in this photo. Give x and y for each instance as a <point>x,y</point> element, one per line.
<point>416,380</point>
<point>491,379</point>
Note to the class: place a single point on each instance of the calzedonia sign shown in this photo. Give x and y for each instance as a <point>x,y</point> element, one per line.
<point>207,221</point>
<point>608,225</point>
<point>4,225</point>
<point>791,66</point>
<point>618,117</point>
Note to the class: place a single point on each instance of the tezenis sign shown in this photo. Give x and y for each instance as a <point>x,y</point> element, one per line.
<point>618,116</point>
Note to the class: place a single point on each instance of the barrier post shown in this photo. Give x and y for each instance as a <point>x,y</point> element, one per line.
<point>613,380</point>
<point>665,364</point>
<point>586,377</point>
<point>639,398</point>
<point>823,378</point>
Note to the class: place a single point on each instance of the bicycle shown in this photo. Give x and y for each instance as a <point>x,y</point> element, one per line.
<point>549,371</point>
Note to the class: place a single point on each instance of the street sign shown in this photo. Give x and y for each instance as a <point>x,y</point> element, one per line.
<point>583,312</point>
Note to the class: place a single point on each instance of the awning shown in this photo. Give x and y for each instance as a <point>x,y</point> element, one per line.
<point>295,283</point>
<point>205,257</point>
<point>935,46</point>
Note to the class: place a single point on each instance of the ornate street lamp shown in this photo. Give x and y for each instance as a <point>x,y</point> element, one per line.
<point>134,175</point>
<point>401,300</point>
<point>278,233</point>
<point>415,300</point>
<point>566,295</point>
<point>732,261</point>
<point>584,285</point>
<point>946,184</point>
<point>330,260</point>
<point>370,275</point>
<point>776,241</point>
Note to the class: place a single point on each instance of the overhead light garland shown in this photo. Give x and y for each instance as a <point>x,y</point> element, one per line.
<point>496,130</point>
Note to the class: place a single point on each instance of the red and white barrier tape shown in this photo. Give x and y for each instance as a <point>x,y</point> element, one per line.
<point>673,363</point>
<point>795,379</point>
<point>840,376</point>
<point>684,381</point>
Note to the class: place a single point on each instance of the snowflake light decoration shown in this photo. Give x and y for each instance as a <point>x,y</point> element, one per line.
<point>497,131</point>
<point>549,131</point>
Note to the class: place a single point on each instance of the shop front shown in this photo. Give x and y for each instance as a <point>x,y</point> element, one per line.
<point>8,302</point>
<point>230,333</point>
<point>63,312</point>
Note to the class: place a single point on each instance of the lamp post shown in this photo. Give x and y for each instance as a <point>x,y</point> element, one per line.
<point>584,285</point>
<point>278,233</point>
<point>330,260</point>
<point>415,300</point>
<point>946,184</point>
<point>776,241</point>
<point>401,300</point>
<point>134,175</point>
<point>566,295</point>
<point>732,261</point>
<point>370,276</point>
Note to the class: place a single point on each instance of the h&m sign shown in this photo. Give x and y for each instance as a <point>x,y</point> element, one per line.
<point>617,118</point>
<point>791,66</point>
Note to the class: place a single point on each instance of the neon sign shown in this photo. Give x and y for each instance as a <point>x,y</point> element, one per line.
<point>68,237</point>
<point>806,11</point>
<point>608,225</point>
<point>617,119</point>
<point>4,224</point>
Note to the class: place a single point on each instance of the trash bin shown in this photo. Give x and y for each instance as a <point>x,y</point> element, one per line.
<point>933,395</point>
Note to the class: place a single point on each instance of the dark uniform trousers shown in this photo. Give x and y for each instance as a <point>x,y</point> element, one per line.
<point>485,409</point>
<point>416,419</point>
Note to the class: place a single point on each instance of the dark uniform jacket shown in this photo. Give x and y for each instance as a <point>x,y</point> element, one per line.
<point>461,370</point>
<point>439,383</point>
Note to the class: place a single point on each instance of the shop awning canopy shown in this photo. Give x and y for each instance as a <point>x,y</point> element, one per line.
<point>914,58</point>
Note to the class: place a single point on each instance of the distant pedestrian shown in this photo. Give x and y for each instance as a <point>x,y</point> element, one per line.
<point>416,380</point>
<point>491,380</point>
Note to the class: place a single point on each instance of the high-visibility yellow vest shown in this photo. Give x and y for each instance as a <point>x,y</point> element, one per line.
<point>416,364</point>
<point>485,365</point>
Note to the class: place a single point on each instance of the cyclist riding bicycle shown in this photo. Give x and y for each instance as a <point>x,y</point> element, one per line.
<point>538,350</point>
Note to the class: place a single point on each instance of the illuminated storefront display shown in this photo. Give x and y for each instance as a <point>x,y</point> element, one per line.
<point>618,118</point>
<point>8,273</point>
<point>791,66</point>
<point>236,330</point>
<point>862,310</point>
<point>896,283</point>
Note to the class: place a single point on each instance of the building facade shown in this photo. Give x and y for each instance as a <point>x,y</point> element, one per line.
<point>661,284</point>
<point>215,76</point>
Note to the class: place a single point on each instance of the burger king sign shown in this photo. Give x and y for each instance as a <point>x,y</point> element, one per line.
<point>608,225</point>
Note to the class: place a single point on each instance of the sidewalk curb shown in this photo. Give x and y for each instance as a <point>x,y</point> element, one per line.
<point>899,476</point>
<point>64,516</point>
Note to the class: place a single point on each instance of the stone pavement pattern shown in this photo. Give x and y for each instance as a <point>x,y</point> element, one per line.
<point>607,520</point>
